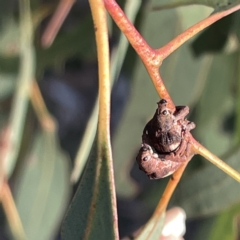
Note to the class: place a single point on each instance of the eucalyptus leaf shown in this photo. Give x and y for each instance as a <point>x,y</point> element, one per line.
<point>217,104</point>
<point>223,227</point>
<point>220,226</point>
<point>153,228</point>
<point>90,215</point>
<point>9,65</point>
<point>236,24</point>
<point>9,41</point>
<point>43,189</point>
<point>7,85</point>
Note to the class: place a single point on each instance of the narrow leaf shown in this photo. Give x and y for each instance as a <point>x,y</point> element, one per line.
<point>153,229</point>
<point>90,215</point>
<point>223,225</point>
<point>44,189</point>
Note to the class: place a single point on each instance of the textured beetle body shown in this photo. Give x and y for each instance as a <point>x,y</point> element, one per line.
<point>154,165</point>
<point>164,141</point>
<point>164,131</point>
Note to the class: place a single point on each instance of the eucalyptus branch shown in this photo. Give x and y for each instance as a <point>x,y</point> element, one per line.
<point>151,59</point>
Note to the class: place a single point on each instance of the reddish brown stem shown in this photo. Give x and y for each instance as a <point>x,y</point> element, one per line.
<point>160,87</point>
<point>56,22</point>
<point>151,59</point>
<point>167,194</point>
<point>171,186</point>
<point>11,212</point>
<point>40,108</point>
<point>145,52</point>
<point>4,148</point>
<point>170,47</point>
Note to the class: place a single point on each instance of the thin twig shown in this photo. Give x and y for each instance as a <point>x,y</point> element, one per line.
<point>40,108</point>
<point>11,212</point>
<point>4,149</point>
<point>56,22</point>
<point>167,194</point>
<point>199,149</point>
<point>170,47</point>
<point>145,52</point>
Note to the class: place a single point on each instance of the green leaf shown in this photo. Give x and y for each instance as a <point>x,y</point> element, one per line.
<point>90,215</point>
<point>25,79</point>
<point>43,190</point>
<point>9,41</point>
<point>236,24</point>
<point>208,190</point>
<point>217,104</point>
<point>184,74</point>
<point>153,228</point>
<point>9,65</point>
<point>7,83</point>
<point>223,225</point>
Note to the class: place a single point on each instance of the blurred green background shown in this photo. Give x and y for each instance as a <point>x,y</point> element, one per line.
<point>203,74</point>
